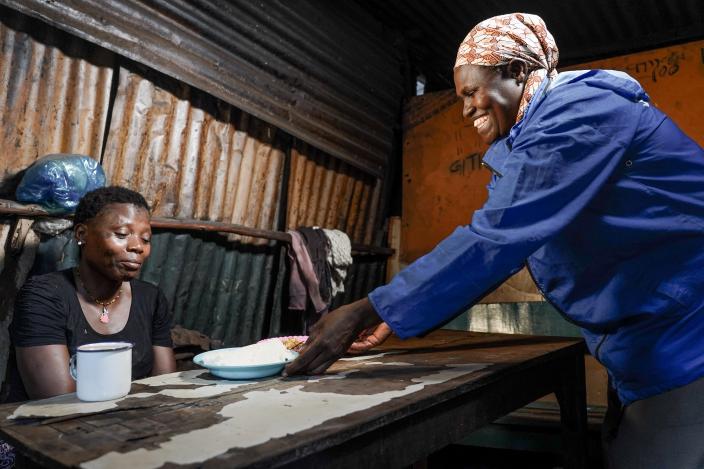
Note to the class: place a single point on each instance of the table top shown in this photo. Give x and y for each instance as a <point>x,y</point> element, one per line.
<point>191,417</point>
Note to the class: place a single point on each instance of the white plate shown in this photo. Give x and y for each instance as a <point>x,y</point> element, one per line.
<point>242,371</point>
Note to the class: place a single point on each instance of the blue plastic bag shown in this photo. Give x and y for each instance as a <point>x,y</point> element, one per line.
<point>57,182</point>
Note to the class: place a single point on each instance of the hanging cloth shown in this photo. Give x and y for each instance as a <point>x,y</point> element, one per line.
<point>318,246</point>
<point>303,283</point>
<point>339,259</point>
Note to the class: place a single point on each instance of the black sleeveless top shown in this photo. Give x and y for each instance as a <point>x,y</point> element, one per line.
<point>47,312</point>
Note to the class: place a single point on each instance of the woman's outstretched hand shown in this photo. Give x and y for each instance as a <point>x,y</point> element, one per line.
<point>370,338</point>
<point>331,336</point>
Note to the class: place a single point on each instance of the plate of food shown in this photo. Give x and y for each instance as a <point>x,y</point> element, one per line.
<point>291,342</point>
<point>265,358</point>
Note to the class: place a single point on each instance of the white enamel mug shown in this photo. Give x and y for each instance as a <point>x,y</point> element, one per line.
<point>103,371</point>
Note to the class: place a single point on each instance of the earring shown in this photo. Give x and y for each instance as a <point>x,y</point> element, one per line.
<point>81,243</point>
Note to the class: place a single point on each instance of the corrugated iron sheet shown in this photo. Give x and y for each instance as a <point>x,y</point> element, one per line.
<point>190,154</point>
<point>325,72</point>
<point>367,273</point>
<point>326,192</point>
<point>234,292</point>
<point>54,92</point>
<point>225,290</point>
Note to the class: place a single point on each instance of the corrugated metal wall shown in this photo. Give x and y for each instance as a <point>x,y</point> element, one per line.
<point>328,193</point>
<point>325,72</point>
<point>54,92</point>
<point>225,290</point>
<point>193,156</point>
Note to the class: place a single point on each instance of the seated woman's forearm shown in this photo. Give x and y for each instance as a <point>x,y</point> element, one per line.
<point>164,360</point>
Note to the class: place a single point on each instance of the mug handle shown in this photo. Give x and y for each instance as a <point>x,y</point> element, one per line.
<point>72,367</point>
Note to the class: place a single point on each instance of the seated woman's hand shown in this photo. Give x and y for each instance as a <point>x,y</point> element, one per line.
<point>370,338</point>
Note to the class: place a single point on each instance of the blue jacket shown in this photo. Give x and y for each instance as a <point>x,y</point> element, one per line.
<point>602,196</point>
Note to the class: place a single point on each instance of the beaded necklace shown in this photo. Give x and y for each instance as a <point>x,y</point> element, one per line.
<point>104,315</point>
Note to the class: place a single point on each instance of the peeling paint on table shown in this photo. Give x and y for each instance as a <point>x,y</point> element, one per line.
<point>69,404</point>
<point>257,419</point>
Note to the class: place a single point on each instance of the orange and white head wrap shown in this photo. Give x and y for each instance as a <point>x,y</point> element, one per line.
<point>523,36</point>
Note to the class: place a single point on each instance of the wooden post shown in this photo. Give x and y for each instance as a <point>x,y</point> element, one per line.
<point>393,263</point>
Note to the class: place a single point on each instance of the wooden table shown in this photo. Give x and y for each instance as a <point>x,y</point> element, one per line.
<point>386,409</point>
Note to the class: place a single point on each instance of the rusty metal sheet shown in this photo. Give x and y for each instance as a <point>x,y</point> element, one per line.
<point>194,156</point>
<point>363,276</point>
<point>323,72</point>
<point>54,92</point>
<point>191,155</point>
<point>326,192</point>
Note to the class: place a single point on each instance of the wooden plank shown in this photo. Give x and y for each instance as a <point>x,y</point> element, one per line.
<point>12,208</point>
<point>393,263</point>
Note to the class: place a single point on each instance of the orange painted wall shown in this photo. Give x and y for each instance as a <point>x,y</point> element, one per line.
<point>674,79</point>
<point>443,182</point>
<point>443,179</point>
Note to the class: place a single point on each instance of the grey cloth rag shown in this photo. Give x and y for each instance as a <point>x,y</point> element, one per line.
<point>339,259</point>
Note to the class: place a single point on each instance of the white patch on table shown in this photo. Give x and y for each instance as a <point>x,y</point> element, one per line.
<point>208,387</point>
<point>265,415</point>
<point>58,406</point>
<point>388,363</point>
<point>340,375</point>
<point>180,378</point>
<point>69,404</point>
<point>367,357</point>
<point>343,374</point>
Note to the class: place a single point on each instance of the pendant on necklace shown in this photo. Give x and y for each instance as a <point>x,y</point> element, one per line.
<point>104,318</point>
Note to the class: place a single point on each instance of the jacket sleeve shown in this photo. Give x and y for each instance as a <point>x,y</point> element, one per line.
<point>564,154</point>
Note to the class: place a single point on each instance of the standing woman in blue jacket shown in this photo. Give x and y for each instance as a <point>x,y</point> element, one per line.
<point>602,196</point>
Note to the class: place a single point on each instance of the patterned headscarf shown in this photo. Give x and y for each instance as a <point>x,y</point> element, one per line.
<point>523,36</point>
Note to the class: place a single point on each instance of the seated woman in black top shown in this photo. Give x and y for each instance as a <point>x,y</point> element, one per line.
<point>101,300</point>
